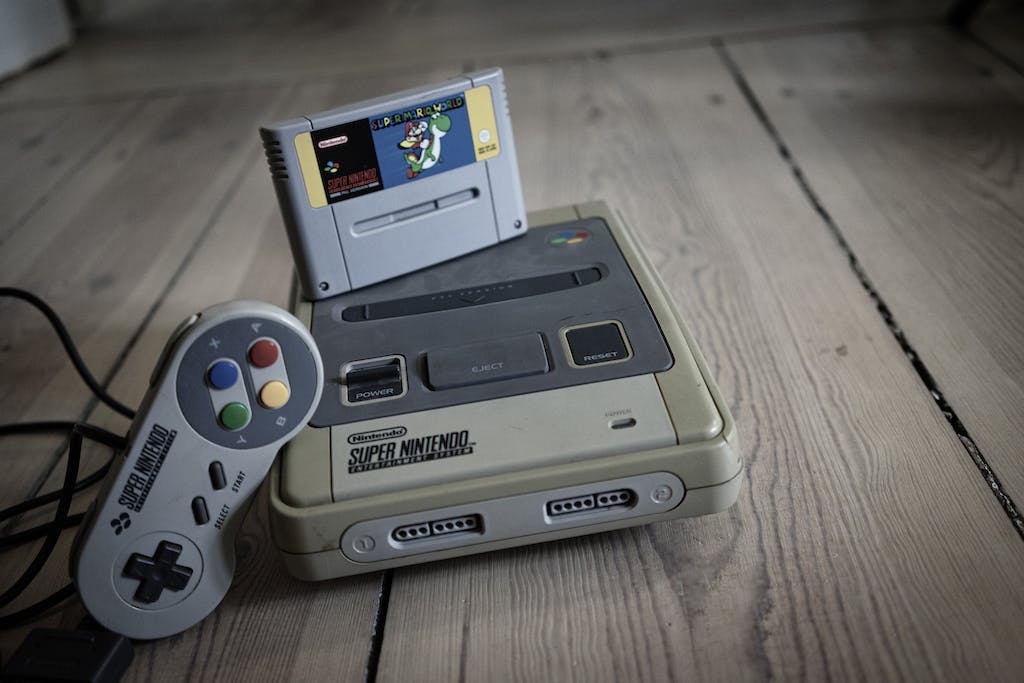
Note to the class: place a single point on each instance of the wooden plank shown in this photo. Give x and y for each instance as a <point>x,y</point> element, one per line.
<point>107,243</point>
<point>863,545</point>
<point>227,45</point>
<point>920,174</point>
<point>106,281</point>
<point>269,625</point>
<point>44,148</point>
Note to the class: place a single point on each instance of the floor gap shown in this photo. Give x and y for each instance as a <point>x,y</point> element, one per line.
<point>122,356</point>
<point>926,377</point>
<point>996,53</point>
<point>380,619</point>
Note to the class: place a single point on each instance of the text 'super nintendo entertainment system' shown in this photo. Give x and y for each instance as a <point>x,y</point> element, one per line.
<point>379,188</point>
<point>540,389</point>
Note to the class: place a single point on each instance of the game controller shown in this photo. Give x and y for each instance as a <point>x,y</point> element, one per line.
<point>234,384</point>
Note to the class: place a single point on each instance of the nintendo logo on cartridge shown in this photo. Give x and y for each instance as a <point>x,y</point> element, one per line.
<point>331,142</point>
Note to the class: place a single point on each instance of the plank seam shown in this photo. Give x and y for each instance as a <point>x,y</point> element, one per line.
<point>967,441</point>
<point>380,619</point>
<point>122,356</point>
<point>91,151</point>
<point>995,52</point>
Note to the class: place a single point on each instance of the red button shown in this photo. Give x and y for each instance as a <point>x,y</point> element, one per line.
<point>263,353</point>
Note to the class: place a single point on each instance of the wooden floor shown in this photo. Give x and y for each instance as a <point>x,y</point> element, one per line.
<point>833,192</point>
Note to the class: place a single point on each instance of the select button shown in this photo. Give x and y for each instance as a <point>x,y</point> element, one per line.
<point>199,510</point>
<point>489,361</point>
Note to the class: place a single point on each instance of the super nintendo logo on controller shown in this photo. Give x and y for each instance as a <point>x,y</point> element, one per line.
<point>147,467</point>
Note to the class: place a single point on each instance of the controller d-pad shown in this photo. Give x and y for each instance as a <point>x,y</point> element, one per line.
<point>157,572</point>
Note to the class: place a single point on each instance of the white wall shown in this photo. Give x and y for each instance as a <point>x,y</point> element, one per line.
<point>30,30</point>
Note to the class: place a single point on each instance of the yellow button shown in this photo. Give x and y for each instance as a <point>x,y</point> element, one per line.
<point>274,394</point>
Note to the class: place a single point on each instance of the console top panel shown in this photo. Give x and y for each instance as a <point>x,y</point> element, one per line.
<point>556,308</point>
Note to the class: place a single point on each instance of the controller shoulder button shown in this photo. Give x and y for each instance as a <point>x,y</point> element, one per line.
<point>165,355</point>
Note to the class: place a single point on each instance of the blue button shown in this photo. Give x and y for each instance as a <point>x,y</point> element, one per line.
<point>223,374</point>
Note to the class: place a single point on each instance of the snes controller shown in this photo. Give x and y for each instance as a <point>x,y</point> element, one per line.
<point>234,383</point>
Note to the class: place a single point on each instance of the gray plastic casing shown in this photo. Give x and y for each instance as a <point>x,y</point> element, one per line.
<point>333,256</point>
<point>115,529</point>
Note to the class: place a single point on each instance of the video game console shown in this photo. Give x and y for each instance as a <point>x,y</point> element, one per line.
<point>540,389</point>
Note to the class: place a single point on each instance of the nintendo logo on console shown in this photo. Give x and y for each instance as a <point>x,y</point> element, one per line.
<point>378,435</point>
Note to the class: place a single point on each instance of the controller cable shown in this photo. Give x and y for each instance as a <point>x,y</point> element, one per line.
<point>77,431</point>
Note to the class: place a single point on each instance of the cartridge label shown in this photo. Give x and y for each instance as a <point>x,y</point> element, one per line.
<point>401,146</point>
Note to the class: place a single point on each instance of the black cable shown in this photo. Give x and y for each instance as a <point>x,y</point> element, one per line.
<point>34,427</point>
<point>90,431</point>
<point>62,520</point>
<point>31,534</point>
<point>32,611</point>
<point>69,346</point>
<point>60,516</point>
<point>51,496</point>
<point>93,432</point>
<point>52,530</point>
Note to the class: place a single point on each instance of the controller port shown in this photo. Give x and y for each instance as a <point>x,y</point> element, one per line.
<point>567,506</point>
<point>463,524</point>
<point>605,500</point>
<point>615,499</point>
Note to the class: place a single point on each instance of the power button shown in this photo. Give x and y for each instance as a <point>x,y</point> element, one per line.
<point>377,379</point>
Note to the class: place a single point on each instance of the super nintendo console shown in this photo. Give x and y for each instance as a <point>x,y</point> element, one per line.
<point>540,389</point>
<point>383,187</point>
<point>156,554</point>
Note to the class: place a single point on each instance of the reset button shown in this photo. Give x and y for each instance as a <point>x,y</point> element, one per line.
<point>597,344</point>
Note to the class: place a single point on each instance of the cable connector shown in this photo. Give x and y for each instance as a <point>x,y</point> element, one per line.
<point>50,654</point>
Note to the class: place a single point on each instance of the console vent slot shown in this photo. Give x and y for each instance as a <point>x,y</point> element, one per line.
<point>275,156</point>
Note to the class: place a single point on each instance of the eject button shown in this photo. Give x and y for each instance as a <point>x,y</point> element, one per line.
<point>489,361</point>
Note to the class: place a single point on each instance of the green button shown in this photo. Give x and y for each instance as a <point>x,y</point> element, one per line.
<point>234,416</point>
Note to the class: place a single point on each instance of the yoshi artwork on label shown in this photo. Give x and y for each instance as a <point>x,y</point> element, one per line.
<point>424,136</point>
